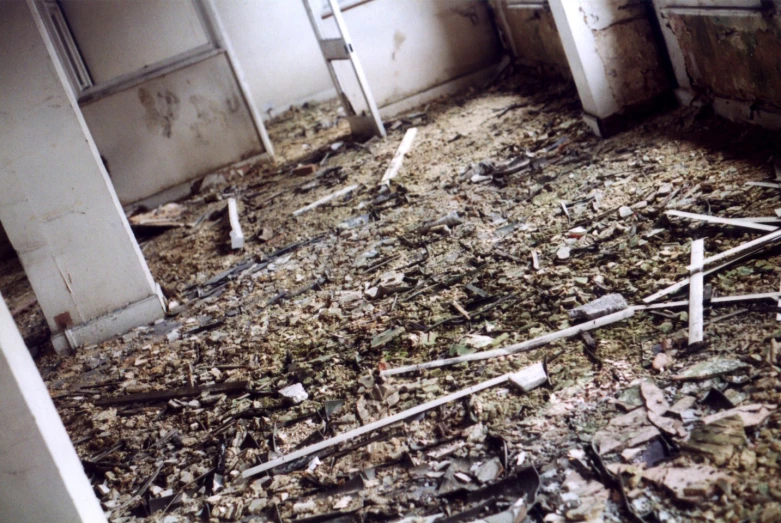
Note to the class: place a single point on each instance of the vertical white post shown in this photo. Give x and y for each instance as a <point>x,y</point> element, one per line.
<point>57,203</point>
<point>42,477</point>
<point>614,59</point>
<point>696,284</point>
<point>586,65</point>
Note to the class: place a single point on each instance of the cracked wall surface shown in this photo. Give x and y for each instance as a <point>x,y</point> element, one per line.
<point>735,57</point>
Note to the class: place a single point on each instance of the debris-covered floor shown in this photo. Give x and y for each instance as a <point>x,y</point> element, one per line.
<point>507,214</point>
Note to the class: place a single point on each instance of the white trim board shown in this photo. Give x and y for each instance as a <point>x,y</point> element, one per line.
<point>142,312</point>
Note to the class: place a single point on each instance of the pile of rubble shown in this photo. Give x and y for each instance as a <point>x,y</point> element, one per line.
<point>475,319</point>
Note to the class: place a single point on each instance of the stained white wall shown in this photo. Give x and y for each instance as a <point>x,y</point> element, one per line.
<point>405,46</point>
<point>172,129</point>
<point>408,46</point>
<point>277,51</point>
<point>167,130</point>
<point>705,38</point>
<point>531,35</point>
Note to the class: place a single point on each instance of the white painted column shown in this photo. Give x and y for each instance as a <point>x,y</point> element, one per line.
<point>613,57</point>
<point>57,204</point>
<point>584,60</point>
<point>41,476</point>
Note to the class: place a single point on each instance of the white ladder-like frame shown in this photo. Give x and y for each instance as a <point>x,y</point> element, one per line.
<point>342,49</point>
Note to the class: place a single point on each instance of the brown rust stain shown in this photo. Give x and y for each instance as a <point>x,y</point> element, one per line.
<point>63,321</point>
<point>737,57</point>
<point>398,41</point>
<point>161,110</point>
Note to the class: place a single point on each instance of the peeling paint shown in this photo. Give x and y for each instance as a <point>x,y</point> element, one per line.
<point>733,57</point>
<point>63,321</point>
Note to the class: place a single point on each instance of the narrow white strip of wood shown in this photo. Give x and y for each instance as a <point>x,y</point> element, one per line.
<point>398,158</point>
<point>675,287</point>
<point>696,288</point>
<point>518,347</point>
<point>762,219</point>
<point>325,199</point>
<point>778,315</point>
<point>336,440</point>
<point>722,221</point>
<point>721,300</point>
<point>769,185</point>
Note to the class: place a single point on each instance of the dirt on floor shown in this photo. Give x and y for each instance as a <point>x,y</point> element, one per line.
<point>506,215</point>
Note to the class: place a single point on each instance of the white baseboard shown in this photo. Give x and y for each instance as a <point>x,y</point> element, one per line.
<point>142,312</point>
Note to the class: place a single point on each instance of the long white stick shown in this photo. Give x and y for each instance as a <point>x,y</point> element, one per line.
<point>518,347</point>
<point>769,185</point>
<point>398,158</point>
<point>723,221</point>
<point>325,199</point>
<point>696,284</point>
<point>311,449</point>
<point>721,300</point>
<point>237,235</point>
<point>759,242</point>
<point>762,219</point>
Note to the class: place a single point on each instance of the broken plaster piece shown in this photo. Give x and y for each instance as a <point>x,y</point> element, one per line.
<point>530,378</point>
<point>603,306</point>
<point>237,235</point>
<point>294,393</point>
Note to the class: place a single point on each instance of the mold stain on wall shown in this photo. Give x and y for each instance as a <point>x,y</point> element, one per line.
<point>398,41</point>
<point>160,110</point>
<point>209,112</point>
